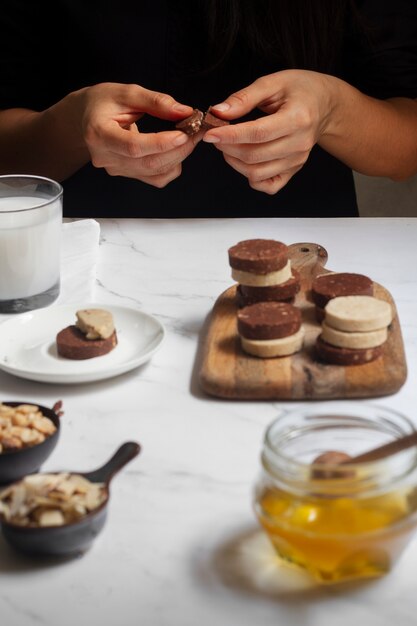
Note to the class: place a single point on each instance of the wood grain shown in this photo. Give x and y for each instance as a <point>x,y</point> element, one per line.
<point>227,372</point>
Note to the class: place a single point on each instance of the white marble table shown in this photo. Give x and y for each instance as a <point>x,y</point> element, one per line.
<point>181,546</point>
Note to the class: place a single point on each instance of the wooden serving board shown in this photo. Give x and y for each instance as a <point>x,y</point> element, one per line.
<point>228,372</point>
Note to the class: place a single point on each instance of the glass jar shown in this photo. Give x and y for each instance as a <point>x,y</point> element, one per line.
<point>337,522</point>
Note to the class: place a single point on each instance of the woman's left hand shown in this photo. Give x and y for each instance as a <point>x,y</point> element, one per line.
<point>271,149</point>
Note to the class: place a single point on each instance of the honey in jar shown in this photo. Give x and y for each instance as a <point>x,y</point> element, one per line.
<point>337,522</point>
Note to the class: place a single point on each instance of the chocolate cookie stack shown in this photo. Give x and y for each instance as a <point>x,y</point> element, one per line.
<point>328,286</point>
<point>262,269</point>
<point>270,329</point>
<point>354,330</point>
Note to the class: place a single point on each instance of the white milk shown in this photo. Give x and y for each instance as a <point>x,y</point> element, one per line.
<point>29,246</point>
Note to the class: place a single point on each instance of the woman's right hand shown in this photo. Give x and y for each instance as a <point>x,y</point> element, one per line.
<point>109,112</point>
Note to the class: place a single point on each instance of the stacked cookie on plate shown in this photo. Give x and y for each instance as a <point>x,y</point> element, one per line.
<point>268,324</point>
<point>354,330</point>
<point>262,269</point>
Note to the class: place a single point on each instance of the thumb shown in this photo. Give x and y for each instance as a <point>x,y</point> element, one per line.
<point>243,101</point>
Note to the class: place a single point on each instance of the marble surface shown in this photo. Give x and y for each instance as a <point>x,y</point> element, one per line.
<point>181,545</point>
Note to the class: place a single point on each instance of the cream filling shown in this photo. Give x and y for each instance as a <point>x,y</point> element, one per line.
<point>354,340</point>
<point>358,313</point>
<point>263,280</point>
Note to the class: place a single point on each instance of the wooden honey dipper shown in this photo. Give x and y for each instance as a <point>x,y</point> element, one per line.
<point>333,457</point>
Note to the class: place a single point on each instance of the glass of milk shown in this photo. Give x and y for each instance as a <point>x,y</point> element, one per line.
<point>30,233</point>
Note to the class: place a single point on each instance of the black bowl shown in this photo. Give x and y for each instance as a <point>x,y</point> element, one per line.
<point>15,464</point>
<point>76,537</point>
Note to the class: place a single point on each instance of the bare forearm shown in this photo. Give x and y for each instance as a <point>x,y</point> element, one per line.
<point>48,143</point>
<point>374,137</point>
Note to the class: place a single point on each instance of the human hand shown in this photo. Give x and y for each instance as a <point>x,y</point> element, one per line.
<point>271,149</point>
<point>109,112</point>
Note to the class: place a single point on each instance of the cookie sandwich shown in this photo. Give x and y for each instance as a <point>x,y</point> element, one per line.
<point>262,269</point>
<point>270,329</point>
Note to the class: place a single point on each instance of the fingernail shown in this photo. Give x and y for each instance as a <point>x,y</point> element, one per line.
<point>181,108</point>
<point>180,139</point>
<point>211,139</point>
<point>224,106</point>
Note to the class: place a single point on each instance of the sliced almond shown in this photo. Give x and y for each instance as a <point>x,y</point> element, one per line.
<point>52,517</point>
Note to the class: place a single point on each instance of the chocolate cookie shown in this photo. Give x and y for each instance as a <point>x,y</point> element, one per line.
<point>328,286</point>
<point>191,125</point>
<point>284,292</point>
<point>212,121</point>
<point>345,356</point>
<point>72,344</point>
<point>259,256</point>
<point>268,320</point>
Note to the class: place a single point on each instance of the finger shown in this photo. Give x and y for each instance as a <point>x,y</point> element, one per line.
<point>272,185</point>
<point>151,165</point>
<point>262,130</point>
<point>261,153</point>
<point>245,100</point>
<point>155,103</point>
<point>162,180</point>
<point>263,171</point>
<point>156,164</point>
<point>138,145</point>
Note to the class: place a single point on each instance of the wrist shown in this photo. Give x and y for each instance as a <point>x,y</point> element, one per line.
<point>66,118</point>
<point>334,101</point>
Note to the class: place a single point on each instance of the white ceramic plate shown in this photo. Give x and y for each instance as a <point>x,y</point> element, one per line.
<point>28,349</point>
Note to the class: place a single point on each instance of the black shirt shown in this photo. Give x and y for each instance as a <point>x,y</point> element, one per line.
<point>145,43</point>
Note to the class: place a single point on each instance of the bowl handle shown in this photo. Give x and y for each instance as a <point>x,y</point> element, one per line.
<point>123,455</point>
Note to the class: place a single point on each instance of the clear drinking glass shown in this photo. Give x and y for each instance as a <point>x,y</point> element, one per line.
<point>30,234</point>
<point>337,522</point>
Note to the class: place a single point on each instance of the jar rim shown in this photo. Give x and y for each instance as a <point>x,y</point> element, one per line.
<point>296,473</point>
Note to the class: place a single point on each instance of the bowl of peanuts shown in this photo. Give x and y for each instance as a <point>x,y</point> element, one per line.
<point>28,435</point>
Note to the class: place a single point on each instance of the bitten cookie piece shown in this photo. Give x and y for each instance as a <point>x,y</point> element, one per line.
<point>191,125</point>
<point>212,121</point>
<point>198,121</point>
<point>95,323</point>
<point>270,329</point>
<point>93,335</point>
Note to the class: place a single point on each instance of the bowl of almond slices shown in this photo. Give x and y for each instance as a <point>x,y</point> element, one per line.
<point>60,513</point>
